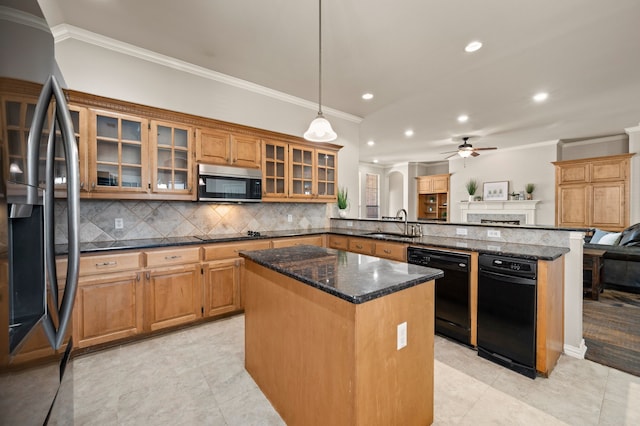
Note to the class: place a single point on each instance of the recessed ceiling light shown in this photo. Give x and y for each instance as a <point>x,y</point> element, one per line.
<point>540,97</point>
<point>375,161</point>
<point>367,96</point>
<point>408,133</point>
<point>473,46</point>
<point>371,143</point>
<point>463,118</point>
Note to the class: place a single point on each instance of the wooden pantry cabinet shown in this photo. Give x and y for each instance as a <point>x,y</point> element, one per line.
<point>433,197</point>
<point>593,192</point>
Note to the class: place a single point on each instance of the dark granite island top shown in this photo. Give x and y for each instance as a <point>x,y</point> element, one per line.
<point>353,277</point>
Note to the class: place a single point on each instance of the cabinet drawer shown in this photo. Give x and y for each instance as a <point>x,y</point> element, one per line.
<point>338,242</point>
<point>173,256</point>
<point>103,263</point>
<point>392,251</point>
<point>315,240</point>
<point>362,245</point>
<point>229,250</point>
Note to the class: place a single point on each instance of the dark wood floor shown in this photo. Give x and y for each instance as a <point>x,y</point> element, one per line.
<point>611,330</point>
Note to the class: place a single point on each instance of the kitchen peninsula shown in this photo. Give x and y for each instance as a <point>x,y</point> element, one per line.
<point>333,337</point>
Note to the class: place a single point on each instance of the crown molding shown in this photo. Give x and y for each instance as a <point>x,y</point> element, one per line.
<point>23,18</point>
<point>64,32</point>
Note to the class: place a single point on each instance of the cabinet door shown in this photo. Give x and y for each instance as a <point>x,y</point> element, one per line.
<point>573,173</point>
<point>119,153</point>
<point>213,146</point>
<point>245,151</point>
<point>440,184</point>
<point>425,185</point>
<point>108,307</point>
<point>609,206</point>
<point>326,174</point>
<point>301,172</point>
<point>173,296</point>
<point>171,153</point>
<point>18,113</point>
<point>274,169</point>
<point>573,203</point>
<point>609,170</point>
<point>222,286</point>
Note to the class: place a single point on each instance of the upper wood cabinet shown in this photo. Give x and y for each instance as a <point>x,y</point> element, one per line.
<point>215,146</point>
<point>171,150</point>
<point>275,173</point>
<point>118,153</point>
<point>17,114</point>
<point>313,173</point>
<point>593,192</point>
<point>433,184</point>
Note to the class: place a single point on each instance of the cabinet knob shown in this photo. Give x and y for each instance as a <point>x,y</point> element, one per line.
<point>93,185</point>
<point>387,251</point>
<point>81,184</point>
<point>138,276</point>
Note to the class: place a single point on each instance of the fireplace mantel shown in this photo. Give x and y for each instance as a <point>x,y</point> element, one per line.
<point>526,208</point>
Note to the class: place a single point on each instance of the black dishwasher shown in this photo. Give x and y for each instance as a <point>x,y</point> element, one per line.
<point>507,312</point>
<point>453,317</point>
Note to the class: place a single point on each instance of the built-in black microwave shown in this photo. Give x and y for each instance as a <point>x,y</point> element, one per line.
<point>229,184</point>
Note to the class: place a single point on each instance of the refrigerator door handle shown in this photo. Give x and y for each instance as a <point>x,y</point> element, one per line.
<point>52,89</point>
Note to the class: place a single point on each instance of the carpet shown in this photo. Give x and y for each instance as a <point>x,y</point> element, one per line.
<point>611,328</point>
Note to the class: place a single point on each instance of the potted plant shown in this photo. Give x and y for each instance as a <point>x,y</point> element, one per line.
<point>472,187</point>
<point>529,188</point>
<point>343,194</point>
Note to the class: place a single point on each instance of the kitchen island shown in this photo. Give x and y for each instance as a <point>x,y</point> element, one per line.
<point>333,337</point>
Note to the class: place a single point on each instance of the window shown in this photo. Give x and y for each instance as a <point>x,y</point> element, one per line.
<point>372,196</point>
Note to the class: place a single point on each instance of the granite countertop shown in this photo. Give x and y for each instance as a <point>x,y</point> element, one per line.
<point>525,251</point>
<point>353,277</point>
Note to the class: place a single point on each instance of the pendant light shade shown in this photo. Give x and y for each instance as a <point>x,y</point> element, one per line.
<point>320,129</point>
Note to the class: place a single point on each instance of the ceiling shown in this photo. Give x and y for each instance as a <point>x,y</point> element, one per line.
<point>410,55</point>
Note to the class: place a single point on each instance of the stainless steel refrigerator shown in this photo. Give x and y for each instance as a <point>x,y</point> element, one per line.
<point>36,383</point>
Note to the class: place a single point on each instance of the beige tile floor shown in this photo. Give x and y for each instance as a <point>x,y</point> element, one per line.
<point>196,377</point>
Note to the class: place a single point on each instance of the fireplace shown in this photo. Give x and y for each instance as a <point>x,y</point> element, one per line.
<point>521,212</point>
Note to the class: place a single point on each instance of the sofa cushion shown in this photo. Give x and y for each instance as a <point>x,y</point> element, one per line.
<point>630,236</point>
<point>599,233</point>
<point>610,239</point>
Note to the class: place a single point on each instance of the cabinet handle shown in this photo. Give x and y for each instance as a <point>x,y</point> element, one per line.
<point>138,276</point>
<point>148,275</point>
<point>93,185</point>
<point>190,188</point>
<point>358,246</point>
<point>81,184</point>
<point>174,257</point>
<point>105,264</point>
<point>387,251</point>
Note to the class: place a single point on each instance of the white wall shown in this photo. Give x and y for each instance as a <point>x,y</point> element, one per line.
<point>519,166</point>
<point>101,71</point>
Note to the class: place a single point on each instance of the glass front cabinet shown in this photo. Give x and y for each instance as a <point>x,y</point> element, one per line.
<point>171,165</point>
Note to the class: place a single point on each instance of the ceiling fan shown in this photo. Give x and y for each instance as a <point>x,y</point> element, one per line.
<point>467,150</point>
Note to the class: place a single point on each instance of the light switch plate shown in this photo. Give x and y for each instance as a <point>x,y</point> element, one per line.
<point>493,233</point>
<point>461,231</point>
<point>119,223</point>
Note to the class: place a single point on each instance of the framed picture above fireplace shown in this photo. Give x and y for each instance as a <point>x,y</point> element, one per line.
<point>495,191</point>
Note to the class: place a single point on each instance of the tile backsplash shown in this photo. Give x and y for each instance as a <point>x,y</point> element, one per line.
<point>159,219</point>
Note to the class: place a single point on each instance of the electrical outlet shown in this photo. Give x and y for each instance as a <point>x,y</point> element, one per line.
<point>493,233</point>
<point>461,231</point>
<point>119,223</point>
<point>349,223</point>
<point>402,336</point>
<point>289,218</point>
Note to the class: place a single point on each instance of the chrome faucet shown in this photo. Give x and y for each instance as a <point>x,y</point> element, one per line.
<point>406,225</point>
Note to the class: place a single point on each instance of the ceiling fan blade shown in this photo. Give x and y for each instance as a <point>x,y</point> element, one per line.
<point>474,154</point>
<point>484,149</point>
<point>450,156</point>
<point>448,152</point>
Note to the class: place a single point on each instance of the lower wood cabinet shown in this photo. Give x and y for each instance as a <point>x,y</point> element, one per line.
<point>222,286</point>
<point>391,250</point>
<point>172,296</point>
<point>108,307</point>
<point>313,240</point>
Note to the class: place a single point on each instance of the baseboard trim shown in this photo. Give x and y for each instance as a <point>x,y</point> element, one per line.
<point>576,352</point>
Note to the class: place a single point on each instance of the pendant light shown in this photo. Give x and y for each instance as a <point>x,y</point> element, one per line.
<point>320,129</point>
